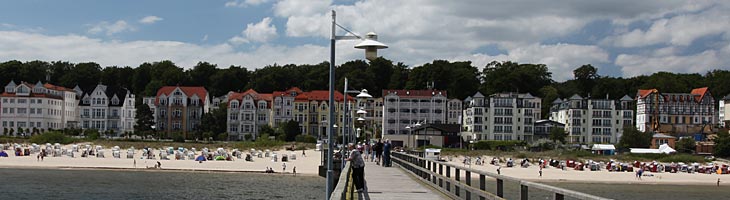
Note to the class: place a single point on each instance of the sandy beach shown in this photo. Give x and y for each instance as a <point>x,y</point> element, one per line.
<point>551,174</point>
<point>305,165</point>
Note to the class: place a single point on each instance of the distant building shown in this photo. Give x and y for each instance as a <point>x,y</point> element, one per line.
<point>724,111</point>
<point>683,114</point>
<point>33,108</point>
<point>598,121</point>
<point>502,116</point>
<point>180,109</point>
<point>405,108</point>
<point>658,139</point>
<point>106,109</point>
<point>247,112</point>
<point>454,111</point>
<point>544,127</point>
<point>250,110</point>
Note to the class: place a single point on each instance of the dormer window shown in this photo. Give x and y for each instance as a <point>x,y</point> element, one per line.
<point>86,100</point>
<point>115,101</point>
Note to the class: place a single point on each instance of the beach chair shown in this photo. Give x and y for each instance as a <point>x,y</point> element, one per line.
<point>293,156</point>
<point>116,154</point>
<point>163,155</point>
<point>100,153</point>
<point>70,154</point>
<point>274,157</point>
<point>75,148</point>
<point>57,146</point>
<point>260,154</point>
<point>57,153</point>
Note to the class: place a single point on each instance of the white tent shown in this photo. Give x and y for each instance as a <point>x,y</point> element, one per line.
<point>603,147</point>
<point>664,148</point>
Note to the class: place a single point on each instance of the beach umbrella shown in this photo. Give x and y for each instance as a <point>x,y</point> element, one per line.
<point>200,158</point>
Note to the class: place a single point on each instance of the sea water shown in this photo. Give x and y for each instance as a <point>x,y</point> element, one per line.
<point>114,184</point>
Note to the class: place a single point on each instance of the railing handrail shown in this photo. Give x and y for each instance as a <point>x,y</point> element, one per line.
<point>559,192</point>
<point>342,185</point>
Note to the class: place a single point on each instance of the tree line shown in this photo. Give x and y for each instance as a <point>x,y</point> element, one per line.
<point>460,79</point>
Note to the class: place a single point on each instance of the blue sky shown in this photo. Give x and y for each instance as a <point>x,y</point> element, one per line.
<point>620,37</point>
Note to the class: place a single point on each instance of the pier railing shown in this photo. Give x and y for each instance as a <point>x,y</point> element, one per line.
<point>345,187</point>
<point>438,174</point>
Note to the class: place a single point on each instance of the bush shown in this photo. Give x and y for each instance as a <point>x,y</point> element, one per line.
<point>51,137</point>
<point>306,139</point>
<point>686,158</point>
<point>497,145</point>
<point>178,138</point>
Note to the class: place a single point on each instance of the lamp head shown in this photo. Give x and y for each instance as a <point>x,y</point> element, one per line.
<point>371,45</point>
<point>364,94</point>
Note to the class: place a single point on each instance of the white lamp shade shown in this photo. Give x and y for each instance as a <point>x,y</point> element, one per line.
<point>364,94</point>
<point>368,43</point>
<point>362,111</point>
<point>360,119</point>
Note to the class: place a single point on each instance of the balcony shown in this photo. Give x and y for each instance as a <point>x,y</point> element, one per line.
<point>113,117</point>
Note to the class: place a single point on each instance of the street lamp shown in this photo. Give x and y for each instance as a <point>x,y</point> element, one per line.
<point>371,46</point>
<point>410,132</point>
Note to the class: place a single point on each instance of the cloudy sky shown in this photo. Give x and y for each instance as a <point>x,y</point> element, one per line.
<point>620,37</point>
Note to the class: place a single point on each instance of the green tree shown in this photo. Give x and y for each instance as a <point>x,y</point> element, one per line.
<point>91,134</point>
<point>215,121</point>
<point>586,76</point>
<point>145,119</point>
<point>686,145</point>
<point>633,138</point>
<point>291,130</point>
<point>722,144</point>
<point>82,74</point>
<point>514,77</point>
<point>557,134</point>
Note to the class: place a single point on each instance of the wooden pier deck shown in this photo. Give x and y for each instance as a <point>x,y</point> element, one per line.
<point>394,183</point>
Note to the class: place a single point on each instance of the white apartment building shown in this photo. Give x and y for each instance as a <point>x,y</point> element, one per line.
<point>106,109</point>
<point>679,113</point>
<point>502,116</point>
<point>593,120</point>
<point>247,111</point>
<point>724,114</point>
<point>29,108</point>
<point>404,108</point>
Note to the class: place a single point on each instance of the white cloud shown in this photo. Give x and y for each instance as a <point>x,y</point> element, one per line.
<point>262,32</point>
<point>561,59</point>
<point>246,3</point>
<point>679,30</point>
<point>75,48</point>
<point>150,19</point>
<point>638,64</point>
<point>111,28</point>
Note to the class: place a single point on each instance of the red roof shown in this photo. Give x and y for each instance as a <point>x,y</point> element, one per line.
<point>256,96</point>
<point>54,87</point>
<point>415,93</point>
<point>189,91</point>
<point>644,93</point>
<point>699,93</point>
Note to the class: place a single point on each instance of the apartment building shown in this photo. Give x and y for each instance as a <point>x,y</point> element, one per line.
<point>593,120</point>
<point>723,113</point>
<point>309,109</point>
<point>180,109</point>
<point>106,109</point>
<point>678,113</point>
<point>405,108</point>
<point>32,108</point>
<point>455,110</point>
<point>247,112</point>
<point>502,116</point>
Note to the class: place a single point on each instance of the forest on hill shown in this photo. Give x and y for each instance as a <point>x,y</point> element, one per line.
<point>459,79</point>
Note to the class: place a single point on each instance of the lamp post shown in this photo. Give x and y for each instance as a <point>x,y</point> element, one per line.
<point>346,131</point>
<point>371,46</point>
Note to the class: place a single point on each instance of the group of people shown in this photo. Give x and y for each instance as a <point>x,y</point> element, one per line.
<point>360,153</point>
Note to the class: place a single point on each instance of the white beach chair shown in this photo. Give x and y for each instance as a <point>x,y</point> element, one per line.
<point>130,153</point>
<point>293,156</point>
<point>100,153</point>
<point>163,155</point>
<point>75,148</point>
<point>70,153</point>
<point>57,153</point>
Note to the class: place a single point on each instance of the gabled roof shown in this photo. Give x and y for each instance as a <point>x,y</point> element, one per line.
<point>659,135</point>
<point>699,93</point>
<point>626,98</point>
<point>644,93</point>
<point>478,95</point>
<point>58,88</point>
<point>189,91</point>
<point>557,101</point>
<point>727,97</point>
<point>576,97</point>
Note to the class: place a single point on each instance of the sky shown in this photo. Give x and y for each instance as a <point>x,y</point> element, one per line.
<point>620,37</point>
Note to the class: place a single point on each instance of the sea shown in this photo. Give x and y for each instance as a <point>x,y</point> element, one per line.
<point>115,184</point>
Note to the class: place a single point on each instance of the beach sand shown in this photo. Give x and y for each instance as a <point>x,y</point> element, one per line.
<point>304,165</point>
<point>552,174</point>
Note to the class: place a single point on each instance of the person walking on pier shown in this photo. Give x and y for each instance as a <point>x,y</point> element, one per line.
<point>358,168</point>
<point>386,153</point>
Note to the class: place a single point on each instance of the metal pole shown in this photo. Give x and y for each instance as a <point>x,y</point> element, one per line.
<point>330,129</point>
<point>344,123</point>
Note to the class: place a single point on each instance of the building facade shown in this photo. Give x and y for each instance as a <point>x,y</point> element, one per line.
<point>455,110</point>
<point>723,113</point>
<point>405,108</point>
<point>107,109</point>
<point>180,109</point>
<point>34,108</point>
<point>682,114</point>
<point>250,110</point>
<point>502,116</point>
<point>593,120</point>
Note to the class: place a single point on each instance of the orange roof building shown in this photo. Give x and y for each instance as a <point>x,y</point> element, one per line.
<point>681,114</point>
<point>179,109</point>
<point>34,108</point>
